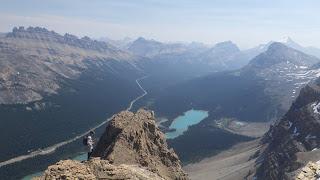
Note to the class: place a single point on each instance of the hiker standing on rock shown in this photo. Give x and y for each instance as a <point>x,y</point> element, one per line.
<point>88,141</point>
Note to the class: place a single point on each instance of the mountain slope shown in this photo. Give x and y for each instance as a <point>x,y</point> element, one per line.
<point>293,140</point>
<point>35,62</point>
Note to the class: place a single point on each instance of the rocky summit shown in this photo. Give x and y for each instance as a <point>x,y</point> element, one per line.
<point>132,147</point>
<point>135,139</point>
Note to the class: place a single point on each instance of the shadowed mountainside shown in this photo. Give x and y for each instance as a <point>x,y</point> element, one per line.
<point>293,140</point>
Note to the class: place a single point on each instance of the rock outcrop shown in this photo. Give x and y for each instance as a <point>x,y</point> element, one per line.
<point>135,139</point>
<point>132,147</point>
<point>96,169</point>
<point>311,171</point>
<point>294,140</point>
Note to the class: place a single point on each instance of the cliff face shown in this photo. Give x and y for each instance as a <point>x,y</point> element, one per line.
<point>294,140</point>
<point>132,147</point>
<point>135,139</point>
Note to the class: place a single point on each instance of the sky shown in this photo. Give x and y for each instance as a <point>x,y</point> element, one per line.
<point>245,22</point>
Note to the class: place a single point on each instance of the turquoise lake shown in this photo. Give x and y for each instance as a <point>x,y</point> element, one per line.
<point>181,123</point>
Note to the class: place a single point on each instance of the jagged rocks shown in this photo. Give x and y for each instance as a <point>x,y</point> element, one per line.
<point>96,169</point>
<point>135,139</point>
<point>293,141</point>
<point>45,35</point>
<point>310,171</point>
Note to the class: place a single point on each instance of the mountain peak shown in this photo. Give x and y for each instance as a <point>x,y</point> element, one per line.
<point>225,47</point>
<point>276,46</point>
<point>280,53</point>
<point>135,139</point>
<point>142,39</point>
<point>286,39</point>
<point>227,44</point>
<point>289,40</point>
<point>291,43</point>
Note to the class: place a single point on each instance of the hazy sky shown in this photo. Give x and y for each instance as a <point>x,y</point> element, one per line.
<point>246,22</point>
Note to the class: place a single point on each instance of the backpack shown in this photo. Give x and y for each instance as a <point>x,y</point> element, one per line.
<point>85,140</point>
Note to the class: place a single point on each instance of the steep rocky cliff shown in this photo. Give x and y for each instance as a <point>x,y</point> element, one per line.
<point>131,147</point>
<point>294,140</point>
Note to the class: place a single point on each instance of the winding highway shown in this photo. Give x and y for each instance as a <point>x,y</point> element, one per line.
<point>54,147</point>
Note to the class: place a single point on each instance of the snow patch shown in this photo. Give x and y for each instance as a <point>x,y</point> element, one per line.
<point>310,137</point>
<point>295,132</point>
<point>315,106</point>
<point>303,67</point>
<point>239,123</point>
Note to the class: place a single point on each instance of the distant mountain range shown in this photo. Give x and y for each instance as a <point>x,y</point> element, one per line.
<point>262,91</point>
<point>277,73</point>
<point>222,56</point>
<point>53,87</point>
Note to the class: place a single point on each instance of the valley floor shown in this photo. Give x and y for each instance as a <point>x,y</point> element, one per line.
<point>251,129</point>
<point>231,164</point>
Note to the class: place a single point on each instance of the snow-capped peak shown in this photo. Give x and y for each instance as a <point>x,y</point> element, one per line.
<point>285,39</point>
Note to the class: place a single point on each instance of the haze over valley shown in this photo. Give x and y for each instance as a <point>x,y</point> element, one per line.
<point>165,99</point>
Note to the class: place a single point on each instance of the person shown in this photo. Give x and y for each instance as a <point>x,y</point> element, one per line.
<point>90,143</point>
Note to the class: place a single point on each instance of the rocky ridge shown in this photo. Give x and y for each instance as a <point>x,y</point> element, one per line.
<point>43,34</point>
<point>294,140</point>
<point>132,147</point>
<point>36,62</point>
